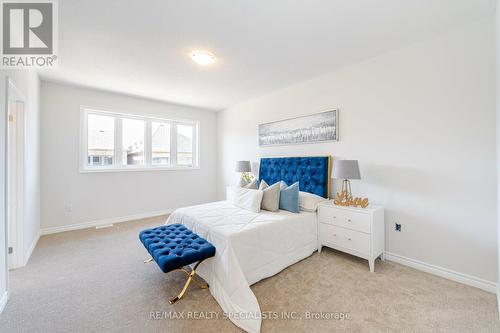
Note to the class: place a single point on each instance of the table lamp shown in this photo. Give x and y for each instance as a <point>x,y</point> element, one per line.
<point>346,170</point>
<point>244,167</point>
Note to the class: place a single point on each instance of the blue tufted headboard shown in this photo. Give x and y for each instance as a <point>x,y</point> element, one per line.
<point>312,173</point>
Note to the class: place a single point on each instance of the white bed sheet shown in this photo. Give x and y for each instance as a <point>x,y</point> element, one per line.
<point>249,247</point>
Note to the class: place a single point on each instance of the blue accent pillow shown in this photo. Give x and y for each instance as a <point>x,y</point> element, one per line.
<point>289,198</point>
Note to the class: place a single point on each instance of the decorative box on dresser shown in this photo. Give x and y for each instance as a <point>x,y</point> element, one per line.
<point>357,231</point>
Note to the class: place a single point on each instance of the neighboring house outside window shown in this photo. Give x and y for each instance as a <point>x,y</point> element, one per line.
<point>98,143</point>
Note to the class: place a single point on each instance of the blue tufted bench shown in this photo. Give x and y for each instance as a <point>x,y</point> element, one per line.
<point>174,246</point>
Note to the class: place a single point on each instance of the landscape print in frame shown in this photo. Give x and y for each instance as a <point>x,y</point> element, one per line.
<point>317,127</point>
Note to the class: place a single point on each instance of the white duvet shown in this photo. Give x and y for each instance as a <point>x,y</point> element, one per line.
<point>249,247</point>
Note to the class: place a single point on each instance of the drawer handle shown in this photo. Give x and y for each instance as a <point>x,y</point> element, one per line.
<point>335,217</point>
<point>334,235</point>
<point>349,220</point>
<point>348,239</point>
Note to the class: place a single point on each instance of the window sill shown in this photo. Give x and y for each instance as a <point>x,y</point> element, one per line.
<point>176,168</point>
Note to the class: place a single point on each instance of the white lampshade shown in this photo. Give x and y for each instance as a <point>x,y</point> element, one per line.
<point>243,166</point>
<point>346,169</point>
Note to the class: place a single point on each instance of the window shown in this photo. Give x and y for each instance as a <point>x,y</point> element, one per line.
<point>132,141</point>
<point>119,141</point>
<point>160,143</point>
<point>100,140</point>
<point>185,144</point>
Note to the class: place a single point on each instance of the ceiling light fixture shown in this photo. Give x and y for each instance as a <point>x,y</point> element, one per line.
<point>203,58</point>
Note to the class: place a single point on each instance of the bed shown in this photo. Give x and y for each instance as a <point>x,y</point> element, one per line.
<point>253,246</point>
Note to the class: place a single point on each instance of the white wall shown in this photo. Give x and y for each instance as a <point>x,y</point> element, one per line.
<point>29,85</point>
<point>421,122</point>
<point>97,196</point>
<point>27,82</point>
<point>498,137</point>
<point>3,215</point>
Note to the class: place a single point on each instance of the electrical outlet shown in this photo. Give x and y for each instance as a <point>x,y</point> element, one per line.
<point>397,227</point>
<point>68,208</point>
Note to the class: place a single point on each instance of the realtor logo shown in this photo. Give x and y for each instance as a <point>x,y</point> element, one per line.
<point>28,34</point>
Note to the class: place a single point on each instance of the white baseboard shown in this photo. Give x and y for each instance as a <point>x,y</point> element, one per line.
<point>3,300</point>
<point>444,272</point>
<point>23,260</point>
<point>97,223</point>
<point>28,253</point>
<point>498,300</point>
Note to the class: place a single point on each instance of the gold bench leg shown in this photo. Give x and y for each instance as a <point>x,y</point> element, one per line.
<point>198,283</point>
<point>148,260</point>
<point>183,291</point>
<point>188,282</point>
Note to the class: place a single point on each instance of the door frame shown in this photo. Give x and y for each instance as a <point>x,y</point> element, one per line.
<point>16,259</point>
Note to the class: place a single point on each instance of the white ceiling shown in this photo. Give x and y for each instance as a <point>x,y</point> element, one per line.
<point>142,47</point>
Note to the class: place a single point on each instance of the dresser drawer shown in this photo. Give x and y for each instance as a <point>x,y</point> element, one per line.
<point>346,238</point>
<point>345,218</point>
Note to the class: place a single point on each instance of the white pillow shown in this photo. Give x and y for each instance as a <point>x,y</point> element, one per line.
<point>248,199</point>
<point>230,192</point>
<point>254,184</point>
<point>308,202</point>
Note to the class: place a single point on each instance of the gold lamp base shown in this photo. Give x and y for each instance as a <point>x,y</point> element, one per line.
<point>346,187</point>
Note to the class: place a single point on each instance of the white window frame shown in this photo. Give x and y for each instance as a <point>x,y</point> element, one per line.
<point>117,153</point>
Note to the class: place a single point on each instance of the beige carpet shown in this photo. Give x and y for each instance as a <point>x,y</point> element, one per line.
<point>95,281</point>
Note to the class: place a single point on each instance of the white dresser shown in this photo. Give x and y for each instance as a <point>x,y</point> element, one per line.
<point>358,231</point>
